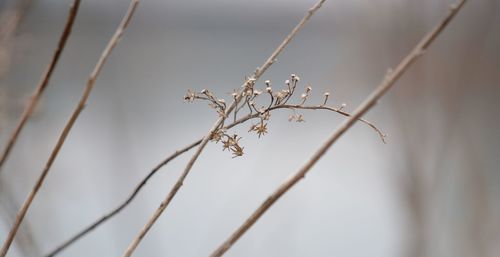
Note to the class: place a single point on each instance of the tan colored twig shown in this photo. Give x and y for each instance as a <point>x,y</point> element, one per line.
<point>312,107</point>
<point>258,73</point>
<point>42,85</point>
<point>81,104</point>
<point>124,204</point>
<point>369,102</point>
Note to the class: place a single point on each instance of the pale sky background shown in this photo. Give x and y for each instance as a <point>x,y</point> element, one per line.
<point>442,115</point>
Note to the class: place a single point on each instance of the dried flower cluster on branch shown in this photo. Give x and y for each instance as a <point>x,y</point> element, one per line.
<point>277,99</point>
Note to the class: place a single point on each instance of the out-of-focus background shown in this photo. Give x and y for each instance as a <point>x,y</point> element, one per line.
<point>432,190</point>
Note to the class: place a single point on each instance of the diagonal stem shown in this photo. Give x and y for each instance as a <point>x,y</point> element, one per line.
<point>272,58</point>
<point>42,85</point>
<point>79,108</point>
<point>366,105</point>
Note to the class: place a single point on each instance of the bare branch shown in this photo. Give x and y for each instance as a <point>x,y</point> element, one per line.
<point>44,81</point>
<point>369,102</point>
<point>81,104</point>
<point>124,204</point>
<point>248,82</point>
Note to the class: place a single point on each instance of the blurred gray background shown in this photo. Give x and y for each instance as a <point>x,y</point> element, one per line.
<point>432,190</point>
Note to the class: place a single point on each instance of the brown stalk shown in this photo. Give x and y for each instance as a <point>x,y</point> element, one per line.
<point>42,85</point>
<point>366,105</point>
<point>124,204</point>
<point>135,242</point>
<point>81,104</point>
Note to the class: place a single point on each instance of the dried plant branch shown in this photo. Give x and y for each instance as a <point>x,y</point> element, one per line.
<point>311,107</point>
<point>110,214</point>
<point>369,102</point>
<point>248,83</point>
<point>81,104</point>
<point>42,85</point>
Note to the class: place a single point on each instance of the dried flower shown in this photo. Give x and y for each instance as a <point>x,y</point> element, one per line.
<point>237,151</point>
<point>217,135</point>
<point>260,129</point>
<point>190,96</point>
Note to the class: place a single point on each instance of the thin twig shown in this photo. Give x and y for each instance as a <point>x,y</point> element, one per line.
<point>135,242</point>
<point>369,102</point>
<point>124,204</point>
<point>312,107</point>
<point>81,104</point>
<point>42,85</point>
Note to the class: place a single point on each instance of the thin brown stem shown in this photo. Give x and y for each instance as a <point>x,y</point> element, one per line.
<point>42,85</point>
<point>124,204</point>
<point>366,105</point>
<point>81,104</point>
<point>258,73</point>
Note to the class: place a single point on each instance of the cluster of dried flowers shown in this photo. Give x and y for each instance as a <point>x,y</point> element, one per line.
<point>278,99</point>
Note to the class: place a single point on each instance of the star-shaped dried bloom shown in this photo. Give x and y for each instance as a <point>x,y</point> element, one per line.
<point>237,150</point>
<point>227,144</point>
<point>260,129</point>
<point>217,135</point>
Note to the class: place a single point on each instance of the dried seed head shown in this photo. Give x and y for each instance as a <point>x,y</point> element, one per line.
<point>308,89</point>
<point>204,91</point>
<point>327,94</point>
<point>267,82</point>
<point>190,96</point>
<point>304,95</point>
<point>287,82</point>
<point>221,101</point>
<point>257,92</point>
<point>269,89</point>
